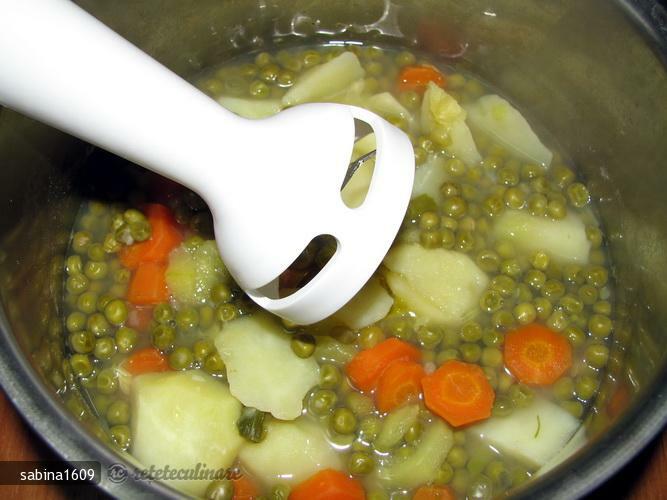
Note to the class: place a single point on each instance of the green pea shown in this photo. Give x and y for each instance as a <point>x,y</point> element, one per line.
<point>181,358</point>
<point>493,206</point>
<point>75,321</point>
<point>221,293</point>
<point>502,320</point>
<point>543,307</point>
<point>540,261</point>
<point>531,171</point>
<point>563,388</point>
<point>502,407</point>
<point>98,325</point>
<point>405,58</point>
<point>588,294</point>
<point>450,189</point>
<point>575,335</point>
<point>187,319</point>
<point>457,457</point>
<point>553,289</point>
<point>259,89</point>
<point>360,463</point>
<point>429,337</point>
<point>163,337</point>
<point>96,253</point>
<point>444,474</point>
<point>126,339</point>
<point>520,395</point>
<point>470,352</point>
<point>81,240</point>
<point>330,376</point>
<point>537,204</point>
<point>602,307</point>
<point>600,326</point>
<point>525,313</point>
<point>420,155</point>
<point>455,167</point>
<point>102,301</point>
<point>508,176</point>
<point>214,364</point>
<point>488,261</point>
<point>497,473</point>
<point>594,235</point>
<point>556,209</point>
<point>455,207</point>
<point>558,321</point>
<point>116,312</point>
<point>515,198</point>
<point>343,421</point>
<point>77,283</point>
<point>446,355</point>
<point>206,317</point>
<point>220,490</point>
<point>491,301</point>
<point>578,195</point>
<point>401,328</point>
<point>163,313</point>
<point>303,345</point>
<point>107,381</point>
<point>491,338</point>
<point>285,79</point>
<point>121,435</point>
<point>575,408</point>
<point>280,492</point>
<point>201,349</point>
<point>322,401</point>
<point>471,332</point>
<point>105,348</point>
<point>118,413</point>
<point>504,284</point>
<point>82,342</point>
<point>597,276</point>
<point>226,312</point>
<point>492,357</point>
<point>447,239</point>
<point>597,355</point>
<point>370,336</point>
<point>122,276</point>
<point>465,241</point>
<point>74,265</point>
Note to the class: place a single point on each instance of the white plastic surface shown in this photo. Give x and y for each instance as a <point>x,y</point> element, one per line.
<point>272,185</point>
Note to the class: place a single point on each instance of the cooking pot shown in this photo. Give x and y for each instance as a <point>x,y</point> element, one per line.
<point>593,73</point>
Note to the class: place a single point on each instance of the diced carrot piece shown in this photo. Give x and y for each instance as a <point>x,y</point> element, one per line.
<point>433,493</point>
<point>399,383</point>
<point>416,78</point>
<point>245,488</point>
<point>165,236</point>
<point>140,317</point>
<point>458,392</point>
<point>328,484</point>
<point>148,285</point>
<point>146,360</point>
<point>536,355</point>
<point>366,367</point>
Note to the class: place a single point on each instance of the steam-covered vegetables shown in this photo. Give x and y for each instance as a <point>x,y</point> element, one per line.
<point>465,364</point>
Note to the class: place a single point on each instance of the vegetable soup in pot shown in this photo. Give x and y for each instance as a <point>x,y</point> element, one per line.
<point>465,366</point>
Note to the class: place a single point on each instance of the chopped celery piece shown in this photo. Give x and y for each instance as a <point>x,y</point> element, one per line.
<point>251,424</point>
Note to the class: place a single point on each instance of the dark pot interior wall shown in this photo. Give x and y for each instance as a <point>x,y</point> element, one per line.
<point>579,68</point>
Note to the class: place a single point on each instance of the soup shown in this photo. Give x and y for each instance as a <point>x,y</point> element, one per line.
<point>464,367</point>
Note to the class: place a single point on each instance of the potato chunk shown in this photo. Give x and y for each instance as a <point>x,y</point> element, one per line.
<point>564,240</point>
<point>180,419</point>
<point>439,285</point>
<point>262,369</point>
<point>371,304</point>
<point>291,452</point>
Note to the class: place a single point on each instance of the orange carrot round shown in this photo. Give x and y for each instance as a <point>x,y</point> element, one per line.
<point>536,355</point>
<point>328,484</point>
<point>416,78</point>
<point>399,383</point>
<point>366,367</point>
<point>148,285</point>
<point>146,360</point>
<point>165,236</point>
<point>458,392</point>
<point>434,493</point>
<point>245,488</point>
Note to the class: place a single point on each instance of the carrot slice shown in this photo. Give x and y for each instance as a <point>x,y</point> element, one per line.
<point>165,236</point>
<point>366,367</point>
<point>146,360</point>
<point>328,484</point>
<point>416,78</point>
<point>399,383</point>
<point>148,285</point>
<point>536,355</point>
<point>433,493</point>
<point>458,392</point>
<point>245,488</point>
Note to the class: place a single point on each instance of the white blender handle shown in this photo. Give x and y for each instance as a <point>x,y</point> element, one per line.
<point>63,67</point>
